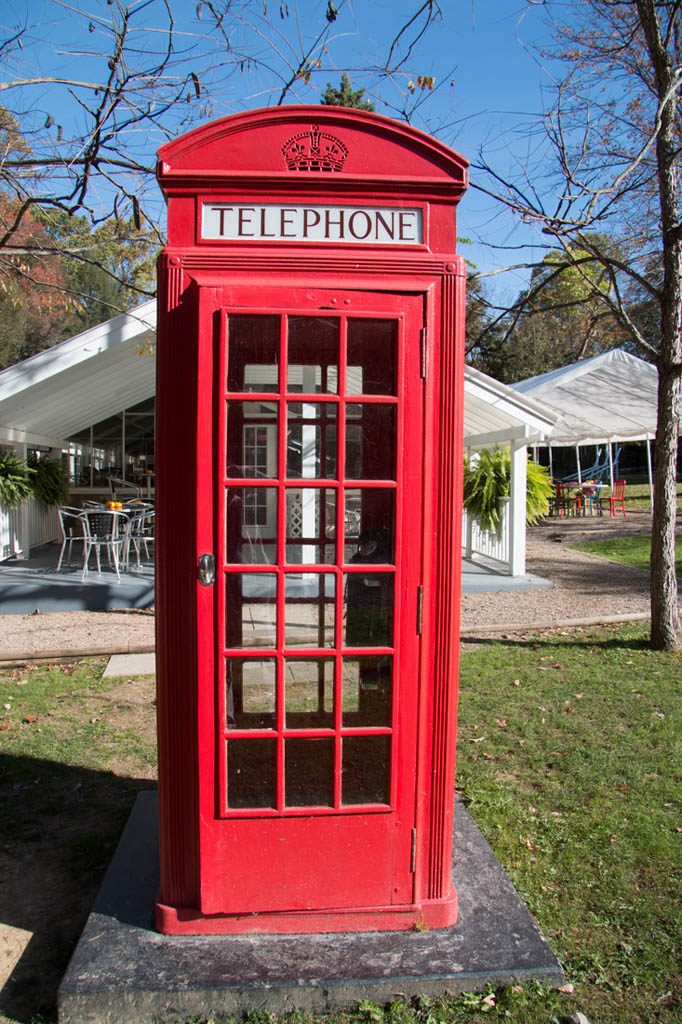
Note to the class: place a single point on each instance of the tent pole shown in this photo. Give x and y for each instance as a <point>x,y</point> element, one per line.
<point>611,465</point>
<point>551,470</point>
<point>577,459</point>
<point>651,479</point>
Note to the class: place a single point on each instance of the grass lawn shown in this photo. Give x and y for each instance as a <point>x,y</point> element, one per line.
<point>634,551</point>
<point>570,761</point>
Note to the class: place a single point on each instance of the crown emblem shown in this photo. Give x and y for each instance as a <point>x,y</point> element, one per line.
<point>314,151</point>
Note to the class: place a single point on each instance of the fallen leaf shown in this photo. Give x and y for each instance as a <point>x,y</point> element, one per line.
<point>568,989</point>
<point>502,722</point>
<point>30,719</point>
<point>477,739</point>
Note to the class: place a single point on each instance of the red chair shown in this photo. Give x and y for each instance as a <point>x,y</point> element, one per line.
<point>564,503</point>
<point>617,497</point>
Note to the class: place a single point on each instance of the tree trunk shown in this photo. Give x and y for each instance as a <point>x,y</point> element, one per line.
<point>665,618</point>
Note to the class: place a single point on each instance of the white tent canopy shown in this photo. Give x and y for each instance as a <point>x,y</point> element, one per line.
<point>94,375</point>
<point>611,397</point>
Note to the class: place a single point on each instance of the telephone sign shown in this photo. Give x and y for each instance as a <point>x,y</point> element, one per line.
<point>309,410</point>
<point>371,225</point>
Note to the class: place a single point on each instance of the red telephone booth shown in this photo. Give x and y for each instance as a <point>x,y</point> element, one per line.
<point>309,410</point>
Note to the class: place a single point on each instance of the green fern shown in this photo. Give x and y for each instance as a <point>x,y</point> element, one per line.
<point>539,489</point>
<point>15,480</point>
<point>487,481</point>
<point>50,481</point>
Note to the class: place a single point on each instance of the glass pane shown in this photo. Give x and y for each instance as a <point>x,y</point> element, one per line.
<point>251,773</point>
<point>251,439</point>
<point>251,525</point>
<point>252,353</point>
<point>311,450</point>
<point>309,693</point>
<point>309,610</point>
<point>372,357</point>
<point>309,773</point>
<point>250,609</point>
<point>369,525</point>
<point>250,693</point>
<point>311,525</point>
<point>370,442</point>
<point>368,614</point>
<point>367,691</point>
<point>366,768</point>
<point>313,354</point>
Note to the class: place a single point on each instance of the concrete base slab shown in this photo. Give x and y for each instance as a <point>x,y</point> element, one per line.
<point>123,972</point>
<point>130,665</point>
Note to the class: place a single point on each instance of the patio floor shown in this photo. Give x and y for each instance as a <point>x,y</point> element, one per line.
<point>34,583</point>
<point>479,577</point>
<point>27,585</point>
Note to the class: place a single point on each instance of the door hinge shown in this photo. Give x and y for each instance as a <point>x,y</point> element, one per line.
<point>413,851</point>
<point>420,601</point>
<point>423,350</point>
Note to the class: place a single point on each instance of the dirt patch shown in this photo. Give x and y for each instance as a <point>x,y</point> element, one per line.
<point>130,705</point>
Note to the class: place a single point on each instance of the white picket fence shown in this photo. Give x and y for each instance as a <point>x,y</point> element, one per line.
<point>487,543</point>
<point>26,527</point>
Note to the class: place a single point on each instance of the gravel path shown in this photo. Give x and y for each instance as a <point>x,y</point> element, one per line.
<point>585,587</point>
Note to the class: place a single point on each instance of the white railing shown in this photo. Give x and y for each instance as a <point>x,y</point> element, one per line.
<point>10,527</point>
<point>26,527</point>
<point>488,543</point>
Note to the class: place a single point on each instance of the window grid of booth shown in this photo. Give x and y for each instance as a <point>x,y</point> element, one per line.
<point>309,567</point>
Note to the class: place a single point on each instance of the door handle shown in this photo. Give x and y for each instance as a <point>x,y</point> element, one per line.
<point>206,570</point>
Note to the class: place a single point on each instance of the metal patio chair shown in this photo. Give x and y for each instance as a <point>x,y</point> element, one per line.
<point>140,536</point>
<point>106,529</point>
<point>74,530</point>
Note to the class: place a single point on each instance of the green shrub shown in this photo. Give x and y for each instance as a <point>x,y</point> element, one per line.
<point>16,479</point>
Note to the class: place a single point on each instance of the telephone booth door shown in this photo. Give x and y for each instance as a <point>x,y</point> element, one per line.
<point>312,504</point>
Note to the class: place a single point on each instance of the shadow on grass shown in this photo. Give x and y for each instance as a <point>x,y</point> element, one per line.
<point>544,642</point>
<point>59,826</point>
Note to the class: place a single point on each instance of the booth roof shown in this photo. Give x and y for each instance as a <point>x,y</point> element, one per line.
<point>611,397</point>
<point>86,379</point>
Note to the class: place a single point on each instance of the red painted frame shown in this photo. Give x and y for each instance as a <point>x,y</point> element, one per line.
<point>236,159</point>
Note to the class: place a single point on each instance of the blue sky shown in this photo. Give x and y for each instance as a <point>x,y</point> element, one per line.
<point>489,82</point>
